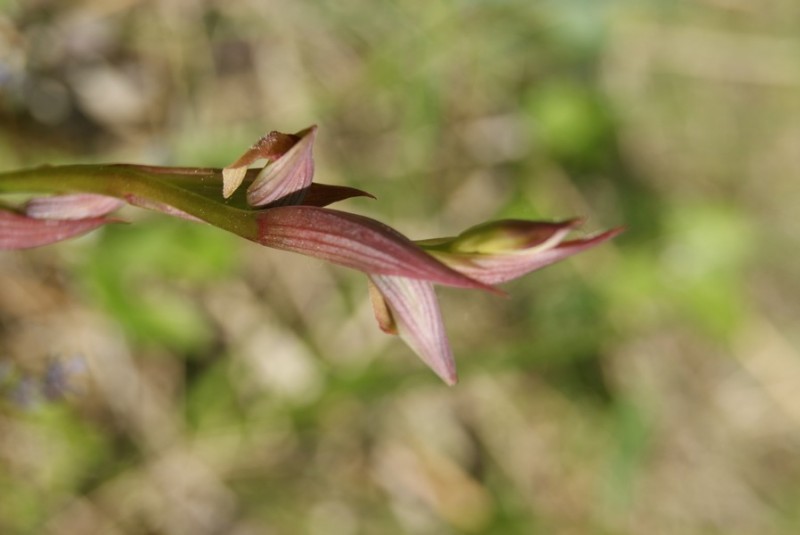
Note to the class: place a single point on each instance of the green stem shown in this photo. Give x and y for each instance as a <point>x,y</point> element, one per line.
<point>127,181</point>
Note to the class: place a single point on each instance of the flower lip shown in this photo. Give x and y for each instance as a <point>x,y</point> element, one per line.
<point>285,179</point>
<point>269,147</point>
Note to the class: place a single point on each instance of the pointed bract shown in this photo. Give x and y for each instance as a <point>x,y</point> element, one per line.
<point>415,311</point>
<point>325,194</point>
<point>354,241</point>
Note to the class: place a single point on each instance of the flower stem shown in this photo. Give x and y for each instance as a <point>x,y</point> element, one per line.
<point>157,184</point>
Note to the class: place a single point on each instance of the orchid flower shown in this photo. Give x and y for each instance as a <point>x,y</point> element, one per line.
<point>491,253</point>
<point>281,207</point>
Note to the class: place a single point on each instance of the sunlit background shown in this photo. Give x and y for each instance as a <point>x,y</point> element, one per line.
<point>167,378</point>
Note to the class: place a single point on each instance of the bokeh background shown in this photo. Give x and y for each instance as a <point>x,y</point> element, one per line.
<point>167,378</point>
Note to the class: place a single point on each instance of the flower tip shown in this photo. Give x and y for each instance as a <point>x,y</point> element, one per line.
<point>476,284</point>
<point>311,130</point>
<point>575,222</point>
<point>450,379</point>
<point>444,368</point>
<point>616,231</point>
<point>490,288</point>
<point>607,235</point>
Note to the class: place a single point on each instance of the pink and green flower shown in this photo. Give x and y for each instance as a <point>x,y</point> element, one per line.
<point>280,206</point>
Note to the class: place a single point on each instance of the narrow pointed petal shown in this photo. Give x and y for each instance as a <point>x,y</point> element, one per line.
<point>286,179</point>
<point>314,195</point>
<point>497,269</point>
<point>77,206</point>
<point>325,194</point>
<point>22,232</point>
<point>415,310</point>
<point>354,241</point>
<point>269,147</point>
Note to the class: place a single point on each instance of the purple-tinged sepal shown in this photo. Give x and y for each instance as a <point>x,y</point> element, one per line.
<point>409,307</point>
<point>19,231</point>
<point>501,251</point>
<point>356,242</point>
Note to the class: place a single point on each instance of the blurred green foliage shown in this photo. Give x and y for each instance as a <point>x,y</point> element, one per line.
<point>149,292</point>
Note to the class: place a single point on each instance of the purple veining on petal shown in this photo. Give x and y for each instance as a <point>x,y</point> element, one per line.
<point>416,313</point>
<point>354,241</point>
<point>285,180</point>
<point>269,147</point>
